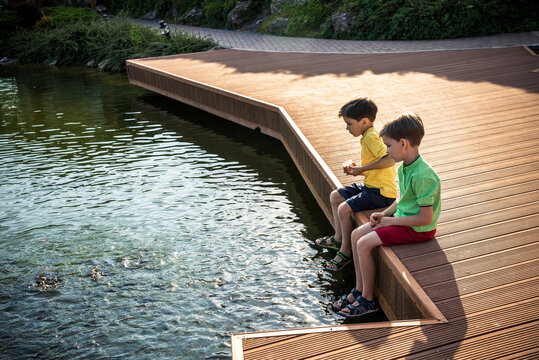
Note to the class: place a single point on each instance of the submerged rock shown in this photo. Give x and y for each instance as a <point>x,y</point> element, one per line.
<point>5,61</point>
<point>101,66</point>
<point>51,62</point>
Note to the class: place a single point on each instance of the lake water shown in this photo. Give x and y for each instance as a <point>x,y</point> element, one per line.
<point>132,226</point>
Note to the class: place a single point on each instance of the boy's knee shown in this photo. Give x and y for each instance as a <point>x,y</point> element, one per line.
<point>345,210</point>
<point>367,242</point>
<point>362,230</point>
<point>357,233</point>
<point>335,197</point>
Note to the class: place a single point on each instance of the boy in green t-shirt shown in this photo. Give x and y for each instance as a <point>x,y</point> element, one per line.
<point>410,220</point>
<point>378,189</point>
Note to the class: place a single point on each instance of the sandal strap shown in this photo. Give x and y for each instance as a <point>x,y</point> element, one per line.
<point>343,257</point>
<point>363,306</point>
<point>341,262</point>
<point>355,293</point>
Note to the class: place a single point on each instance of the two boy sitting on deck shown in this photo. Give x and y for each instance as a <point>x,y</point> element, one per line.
<point>411,219</point>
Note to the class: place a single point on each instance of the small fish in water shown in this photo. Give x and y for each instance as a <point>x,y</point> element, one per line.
<point>96,275</point>
<point>45,282</point>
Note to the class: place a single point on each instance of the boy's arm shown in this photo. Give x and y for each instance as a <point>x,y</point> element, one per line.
<point>383,163</point>
<point>423,218</point>
<point>390,210</point>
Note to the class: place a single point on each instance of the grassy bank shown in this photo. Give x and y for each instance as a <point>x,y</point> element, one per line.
<point>92,41</point>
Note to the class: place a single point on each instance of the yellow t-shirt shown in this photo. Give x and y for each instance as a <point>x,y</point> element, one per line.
<point>373,149</point>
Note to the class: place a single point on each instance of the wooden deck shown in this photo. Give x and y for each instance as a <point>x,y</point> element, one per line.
<point>481,113</point>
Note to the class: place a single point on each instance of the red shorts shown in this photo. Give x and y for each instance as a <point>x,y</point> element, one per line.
<point>401,235</point>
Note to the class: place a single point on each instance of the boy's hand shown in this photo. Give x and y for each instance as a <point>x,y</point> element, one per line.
<point>354,170</point>
<point>375,218</point>
<point>378,220</point>
<point>347,166</point>
<point>385,221</point>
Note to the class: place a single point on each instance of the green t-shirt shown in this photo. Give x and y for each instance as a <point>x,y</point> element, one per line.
<point>419,185</point>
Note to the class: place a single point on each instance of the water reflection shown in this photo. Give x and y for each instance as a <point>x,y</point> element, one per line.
<point>165,229</point>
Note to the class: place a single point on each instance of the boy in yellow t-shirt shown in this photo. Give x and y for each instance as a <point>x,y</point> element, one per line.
<point>378,189</point>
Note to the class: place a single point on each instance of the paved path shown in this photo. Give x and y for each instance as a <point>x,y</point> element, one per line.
<point>243,40</point>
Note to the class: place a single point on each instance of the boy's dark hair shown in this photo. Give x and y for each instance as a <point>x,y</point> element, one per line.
<point>406,126</point>
<point>359,108</point>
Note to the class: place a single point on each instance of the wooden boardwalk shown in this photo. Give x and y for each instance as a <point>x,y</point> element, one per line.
<point>481,113</point>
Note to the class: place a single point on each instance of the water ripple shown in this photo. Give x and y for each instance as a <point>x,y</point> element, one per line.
<point>167,236</point>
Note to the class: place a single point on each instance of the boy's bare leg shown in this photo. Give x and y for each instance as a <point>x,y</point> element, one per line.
<point>364,246</point>
<point>345,216</point>
<point>364,240</point>
<point>336,199</point>
<point>354,239</point>
<point>347,225</point>
<point>356,236</point>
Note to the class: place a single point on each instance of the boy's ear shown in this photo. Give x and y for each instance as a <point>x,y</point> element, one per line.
<point>404,142</point>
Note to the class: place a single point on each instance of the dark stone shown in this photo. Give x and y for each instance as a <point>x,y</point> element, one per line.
<point>342,22</point>
<point>192,16</point>
<point>278,26</point>
<point>151,15</point>
<point>277,6</point>
<point>240,14</point>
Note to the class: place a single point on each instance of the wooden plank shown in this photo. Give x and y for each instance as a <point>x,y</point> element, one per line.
<point>502,192</point>
<point>478,282</point>
<point>302,342</point>
<point>476,265</point>
<point>515,340</point>
<point>530,354</point>
<point>434,336</point>
<point>489,246</point>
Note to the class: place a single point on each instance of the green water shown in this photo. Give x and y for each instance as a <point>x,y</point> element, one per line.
<point>159,230</point>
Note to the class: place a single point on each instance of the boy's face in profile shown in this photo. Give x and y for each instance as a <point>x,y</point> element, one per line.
<point>395,148</point>
<point>357,127</point>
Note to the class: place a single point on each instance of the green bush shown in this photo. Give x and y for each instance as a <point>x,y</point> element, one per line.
<point>109,44</point>
<point>216,11</point>
<point>438,19</point>
<point>8,21</point>
<point>61,16</point>
<point>374,19</point>
<point>305,18</point>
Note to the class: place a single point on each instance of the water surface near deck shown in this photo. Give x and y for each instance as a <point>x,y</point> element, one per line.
<point>132,226</point>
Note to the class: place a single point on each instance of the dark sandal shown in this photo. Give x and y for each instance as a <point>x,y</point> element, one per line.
<point>341,263</point>
<point>333,245</point>
<point>344,300</point>
<point>363,308</point>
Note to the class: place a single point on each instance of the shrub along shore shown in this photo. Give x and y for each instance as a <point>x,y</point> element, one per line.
<point>346,19</point>
<point>80,36</point>
<point>77,36</point>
